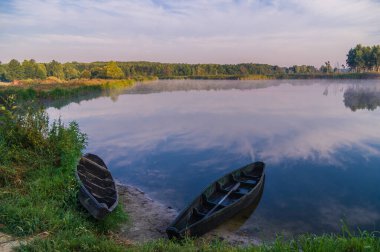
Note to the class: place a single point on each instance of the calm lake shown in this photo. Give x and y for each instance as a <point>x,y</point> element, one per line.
<point>320,140</point>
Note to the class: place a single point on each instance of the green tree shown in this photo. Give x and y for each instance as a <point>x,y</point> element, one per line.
<point>55,69</point>
<point>3,73</point>
<point>113,71</point>
<point>355,58</point>
<point>30,68</point>
<point>351,63</point>
<point>41,72</point>
<point>168,70</point>
<point>70,71</point>
<point>366,57</point>
<point>15,71</point>
<point>375,58</point>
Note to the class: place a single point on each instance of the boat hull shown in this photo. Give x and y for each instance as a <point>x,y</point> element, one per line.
<point>98,192</point>
<point>206,223</point>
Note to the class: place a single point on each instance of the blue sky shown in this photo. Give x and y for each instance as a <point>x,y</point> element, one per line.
<point>216,31</point>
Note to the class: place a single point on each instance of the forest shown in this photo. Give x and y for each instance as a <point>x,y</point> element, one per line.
<point>359,59</point>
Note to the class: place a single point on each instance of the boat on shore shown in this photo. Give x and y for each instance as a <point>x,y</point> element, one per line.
<point>98,192</point>
<point>220,201</point>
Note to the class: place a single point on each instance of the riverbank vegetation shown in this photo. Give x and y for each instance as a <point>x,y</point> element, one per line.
<point>38,190</point>
<point>359,59</point>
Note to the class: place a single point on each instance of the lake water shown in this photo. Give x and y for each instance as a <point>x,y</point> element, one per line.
<point>319,139</point>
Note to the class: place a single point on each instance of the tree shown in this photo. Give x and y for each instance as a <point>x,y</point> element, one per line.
<point>41,72</point>
<point>243,70</point>
<point>326,68</point>
<point>98,72</point>
<point>3,73</point>
<point>29,69</point>
<point>199,70</point>
<point>70,71</point>
<point>15,71</point>
<point>375,58</point>
<point>55,69</point>
<point>366,57</point>
<point>355,58</point>
<point>86,74</point>
<point>113,71</point>
<point>168,70</point>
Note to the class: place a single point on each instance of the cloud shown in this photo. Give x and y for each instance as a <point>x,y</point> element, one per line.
<point>222,31</point>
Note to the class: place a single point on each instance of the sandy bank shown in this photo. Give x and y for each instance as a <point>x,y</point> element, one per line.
<point>149,219</point>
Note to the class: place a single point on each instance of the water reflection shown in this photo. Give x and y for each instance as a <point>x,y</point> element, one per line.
<point>362,98</point>
<point>322,159</point>
<point>84,95</point>
<point>235,223</point>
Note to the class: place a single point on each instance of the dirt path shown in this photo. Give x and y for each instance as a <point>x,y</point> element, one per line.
<point>149,219</point>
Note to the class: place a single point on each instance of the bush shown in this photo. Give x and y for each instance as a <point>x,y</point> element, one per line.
<point>28,141</point>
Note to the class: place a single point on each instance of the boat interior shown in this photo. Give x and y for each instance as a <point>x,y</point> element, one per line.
<point>98,182</point>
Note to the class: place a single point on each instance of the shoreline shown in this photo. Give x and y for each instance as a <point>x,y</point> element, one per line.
<point>150,218</point>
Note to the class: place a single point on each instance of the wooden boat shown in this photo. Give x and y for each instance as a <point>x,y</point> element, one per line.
<point>220,201</point>
<point>97,193</point>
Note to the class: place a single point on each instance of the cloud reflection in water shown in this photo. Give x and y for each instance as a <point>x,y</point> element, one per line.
<point>274,123</point>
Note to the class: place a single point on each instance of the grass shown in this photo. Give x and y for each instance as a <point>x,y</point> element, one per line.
<point>306,243</point>
<point>38,190</point>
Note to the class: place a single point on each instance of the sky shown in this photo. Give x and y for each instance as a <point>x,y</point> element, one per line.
<point>276,32</point>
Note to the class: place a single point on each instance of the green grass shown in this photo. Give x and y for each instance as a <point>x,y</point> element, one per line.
<point>38,190</point>
<point>306,243</point>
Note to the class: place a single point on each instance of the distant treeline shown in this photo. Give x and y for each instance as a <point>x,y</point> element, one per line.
<point>30,69</point>
<point>358,59</point>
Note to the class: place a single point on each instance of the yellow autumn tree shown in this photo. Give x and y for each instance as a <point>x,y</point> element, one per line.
<point>113,71</point>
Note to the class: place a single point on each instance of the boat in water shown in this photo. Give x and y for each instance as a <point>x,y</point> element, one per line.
<point>220,201</point>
